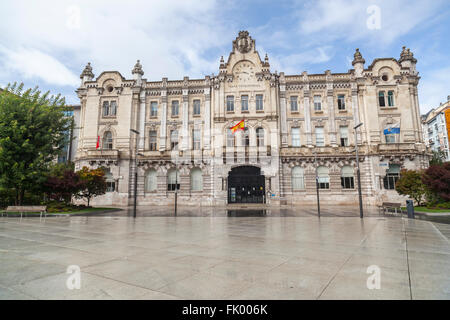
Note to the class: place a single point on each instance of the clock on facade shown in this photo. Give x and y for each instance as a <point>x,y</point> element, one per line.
<point>244,71</point>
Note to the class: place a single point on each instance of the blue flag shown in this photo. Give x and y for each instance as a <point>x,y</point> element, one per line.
<point>393,129</point>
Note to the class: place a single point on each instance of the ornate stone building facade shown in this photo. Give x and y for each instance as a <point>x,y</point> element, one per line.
<point>176,133</point>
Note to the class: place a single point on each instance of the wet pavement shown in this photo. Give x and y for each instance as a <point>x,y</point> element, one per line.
<point>220,253</point>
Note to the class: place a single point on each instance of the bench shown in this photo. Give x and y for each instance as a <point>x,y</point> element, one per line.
<point>25,209</point>
<point>391,205</point>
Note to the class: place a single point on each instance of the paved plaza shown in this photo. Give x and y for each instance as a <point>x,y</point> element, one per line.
<point>220,254</point>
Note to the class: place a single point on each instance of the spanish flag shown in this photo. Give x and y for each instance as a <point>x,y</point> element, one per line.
<point>239,126</point>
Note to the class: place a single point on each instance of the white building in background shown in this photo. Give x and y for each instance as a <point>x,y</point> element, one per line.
<point>436,128</point>
<point>295,125</point>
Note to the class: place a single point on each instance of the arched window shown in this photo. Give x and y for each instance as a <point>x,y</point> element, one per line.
<point>392,175</point>
<point>323,177</point>
<point>107,140</point>
<point>150,181</point>
<point>110,182</point>
<point>230,138</point>
<point>298,179</point>
<point>196,179</point>
<point>173,180</point>
<point>245,137</point>
<point>260,137</point>
<point>347,178</point>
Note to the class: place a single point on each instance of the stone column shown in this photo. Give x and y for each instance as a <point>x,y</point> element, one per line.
<point>185,126</point>
<point>207,119</point>
<point>142,120</point>
<point>306,101</point>
<point>283,111</point>
<point>330,103</point>
<point>163,129</point>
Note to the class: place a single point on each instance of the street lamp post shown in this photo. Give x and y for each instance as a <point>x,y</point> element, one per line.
<point>317,185</point>
<point>135,171</point>
<point>176,182</point>
<point>358,172</point>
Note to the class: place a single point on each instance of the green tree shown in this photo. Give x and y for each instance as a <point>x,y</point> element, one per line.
<point>410,184</point>
<point>32,133</point>
<point>437,158</point>
<point>94,183</point>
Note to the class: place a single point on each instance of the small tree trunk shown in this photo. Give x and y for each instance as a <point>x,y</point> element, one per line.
<point>89,199</point>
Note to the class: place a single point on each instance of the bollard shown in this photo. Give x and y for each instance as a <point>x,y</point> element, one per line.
<point>410,209</point>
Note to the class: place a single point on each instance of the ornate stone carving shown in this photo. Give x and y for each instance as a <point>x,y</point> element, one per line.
<point>358,58</point>
<point>87,72</point>
<point>243,43</point>
<point>137,69</point>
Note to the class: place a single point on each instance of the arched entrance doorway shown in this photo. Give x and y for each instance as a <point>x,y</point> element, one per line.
<point>246,185</point>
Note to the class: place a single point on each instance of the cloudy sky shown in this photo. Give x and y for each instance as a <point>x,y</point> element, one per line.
<point>48,42</point>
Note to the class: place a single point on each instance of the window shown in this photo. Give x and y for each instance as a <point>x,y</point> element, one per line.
<point>196,107</point>
<point>110,182</point>
<point>230,138</point>
<point>107,140</point>
<point>105,108</point>
<point>392,175</point>
<point>245,137</point>
<point>230,103</point>
<point>390,98</point>
<point>174,140</point>
<point>109,108</point>
<point>298,180</point>
<point>196,139</point>
<point>260,137</point>
<point>320,141</point>
<point>113,108</point>
<point>390,139</point>
<point>173,180</point>
<point>153,109</point>
<point>295,137</point>
<point>381,100</point>
<point>175,108</point>
<point>153,144</point>
<point>150,181</point>
<point>259,102</point>
<point>341,102</point>
<point>196,179</point>
<point>317,103</point>
<point>347,178</point>
<point>244,103</point>
<point>323,177</point>
<point>344,136</point>
<point>294,104</point>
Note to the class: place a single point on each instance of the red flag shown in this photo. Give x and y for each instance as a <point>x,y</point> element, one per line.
<point>239,126</point>
<point>98,142</point>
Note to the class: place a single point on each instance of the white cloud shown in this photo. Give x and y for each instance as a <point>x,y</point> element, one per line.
<point>297,63</point>
<point>168,36</point>
<point>31,63</point>
<point>347,19</point>
<point>434,89</point>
